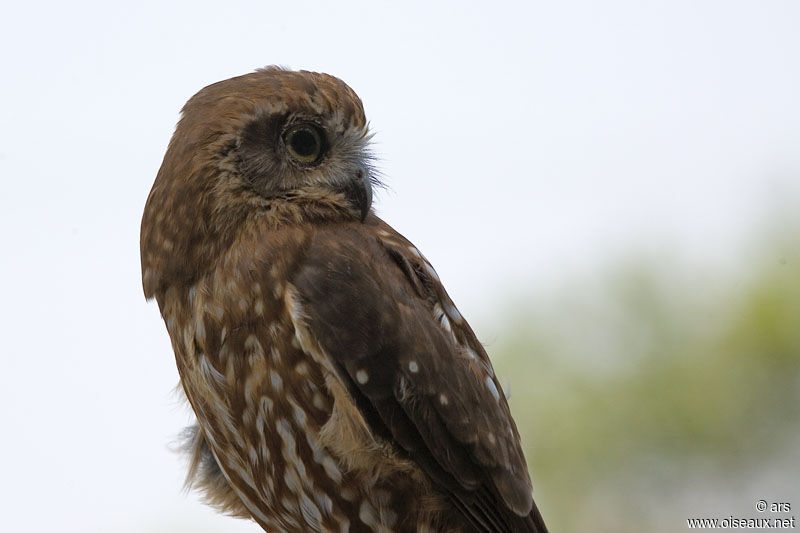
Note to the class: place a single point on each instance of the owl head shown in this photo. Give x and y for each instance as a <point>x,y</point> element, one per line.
<point>285,145</point>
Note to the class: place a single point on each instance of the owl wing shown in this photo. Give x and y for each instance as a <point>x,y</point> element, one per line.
<point>414,368</point>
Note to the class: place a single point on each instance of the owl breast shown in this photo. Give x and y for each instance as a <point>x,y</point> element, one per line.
<point>283,429</point>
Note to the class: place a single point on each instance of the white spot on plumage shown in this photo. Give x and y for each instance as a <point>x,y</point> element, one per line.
<point>311,513</point>
<point>259,307</point>
<point>324,501</point>
<point>362,376</point>
<point>247,417</point>
<point>253,453</point>
<point>492,388</point>
<point>289,449</point>
<point>277,290</point>
<point>242,473</point>
<point>440,316</point>
<point>209,372</point>
<point>276,380</point>
<point>274,330</point>
<point>452,312</point>
<point>445,323</point>
<point>443,399</point>
<point>270,488</point>
<point>292,480</point>
<point>200,332</point>
<point>331,468</point>
<point>266,406</point>
<point>319,402</point>
<point>215,310</point>
<point>251,344</point>
<point>491,438</point>
<point>413,367</point>
<point>299,415</point>
<point>254,510</point>
<point>276,354</point>
<point>368,515</point>
<point>431,272</point>
<point>188,341</point>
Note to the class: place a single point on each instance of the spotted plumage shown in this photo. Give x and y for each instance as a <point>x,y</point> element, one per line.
<point>336,386</point>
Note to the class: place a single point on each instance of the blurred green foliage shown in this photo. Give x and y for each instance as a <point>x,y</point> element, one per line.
<point>652,381</point>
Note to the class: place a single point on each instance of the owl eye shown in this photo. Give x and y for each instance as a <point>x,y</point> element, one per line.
<point>304,143</point>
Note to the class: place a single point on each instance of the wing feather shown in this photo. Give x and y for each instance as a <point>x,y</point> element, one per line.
<point>416,372</point>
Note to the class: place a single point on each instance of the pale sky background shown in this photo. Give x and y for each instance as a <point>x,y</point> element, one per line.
<point>522,143</point>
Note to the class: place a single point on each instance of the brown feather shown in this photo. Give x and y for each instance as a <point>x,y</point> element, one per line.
<point>335,384</point>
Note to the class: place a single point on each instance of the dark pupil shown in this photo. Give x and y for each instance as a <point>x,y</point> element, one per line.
<point>304,142</point>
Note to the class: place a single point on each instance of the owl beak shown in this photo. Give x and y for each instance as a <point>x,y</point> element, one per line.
<point>359,192</point>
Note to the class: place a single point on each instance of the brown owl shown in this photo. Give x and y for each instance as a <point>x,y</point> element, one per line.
<point>336,386</point>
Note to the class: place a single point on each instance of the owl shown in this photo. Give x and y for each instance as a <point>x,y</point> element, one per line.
<point>335,385</point>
